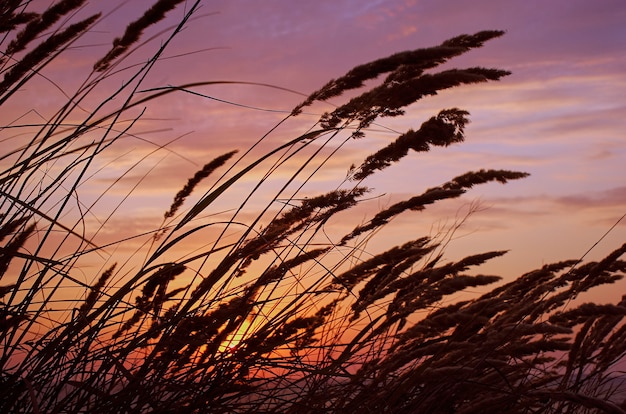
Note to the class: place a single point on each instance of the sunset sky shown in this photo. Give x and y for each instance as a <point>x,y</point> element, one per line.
<point>561,115</point>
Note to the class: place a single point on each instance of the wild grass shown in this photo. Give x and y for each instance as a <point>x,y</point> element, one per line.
<point>273,314</point>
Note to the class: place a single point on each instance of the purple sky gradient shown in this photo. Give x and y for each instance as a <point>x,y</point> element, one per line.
<point>561,115</point>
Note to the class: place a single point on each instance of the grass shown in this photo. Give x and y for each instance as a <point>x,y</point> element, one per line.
<point>272,314</point>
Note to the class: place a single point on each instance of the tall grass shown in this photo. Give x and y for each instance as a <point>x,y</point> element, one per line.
<point>277,313</point>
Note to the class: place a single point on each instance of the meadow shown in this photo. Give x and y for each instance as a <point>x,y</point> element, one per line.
<point>285,306</point>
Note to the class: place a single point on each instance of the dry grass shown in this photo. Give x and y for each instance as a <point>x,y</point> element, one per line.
<point>278,317</point>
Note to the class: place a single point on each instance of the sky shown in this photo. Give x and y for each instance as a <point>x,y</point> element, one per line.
<point>560,116</point>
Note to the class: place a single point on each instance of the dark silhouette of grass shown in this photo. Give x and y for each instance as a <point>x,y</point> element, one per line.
<point>278,317</point>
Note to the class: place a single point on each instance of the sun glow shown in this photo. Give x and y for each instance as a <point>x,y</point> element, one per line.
<point>232,342</point>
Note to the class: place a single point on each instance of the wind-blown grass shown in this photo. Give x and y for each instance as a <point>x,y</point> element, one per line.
<point>274,315</point>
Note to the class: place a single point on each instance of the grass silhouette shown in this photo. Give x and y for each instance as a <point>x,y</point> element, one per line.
<point>273,315</point>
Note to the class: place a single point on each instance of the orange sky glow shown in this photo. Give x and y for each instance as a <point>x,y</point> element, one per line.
<point>560,116</point>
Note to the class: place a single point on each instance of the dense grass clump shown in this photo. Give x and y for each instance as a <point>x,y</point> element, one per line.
<point>275,313</point>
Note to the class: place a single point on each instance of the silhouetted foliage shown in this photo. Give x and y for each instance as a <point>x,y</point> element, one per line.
<point>275,315</point>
